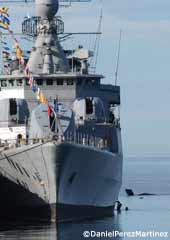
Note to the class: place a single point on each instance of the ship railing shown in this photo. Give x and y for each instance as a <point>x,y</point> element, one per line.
<point>13,123</point>
<point>6,144</point>
<point>102,143</point>
<point>76,137</point>
<point>88,140</point>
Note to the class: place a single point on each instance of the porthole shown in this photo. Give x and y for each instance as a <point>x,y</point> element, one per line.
<point>3,83</point>
<point>59,82</point>
<point>39,82</point>
<point>70,82</point>
<point>11,82</point>
<point>19,82</point>
<point>49,81</point>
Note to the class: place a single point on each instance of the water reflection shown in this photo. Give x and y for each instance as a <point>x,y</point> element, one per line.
<point>76,230</point>
<point>63,231</point>
<point>28,231</point>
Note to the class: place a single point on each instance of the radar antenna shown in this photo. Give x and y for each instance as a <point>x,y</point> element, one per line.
<point>30,24</point>
<point>47,55</point>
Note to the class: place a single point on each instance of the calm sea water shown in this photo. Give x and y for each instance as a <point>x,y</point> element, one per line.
<point>147,213</point>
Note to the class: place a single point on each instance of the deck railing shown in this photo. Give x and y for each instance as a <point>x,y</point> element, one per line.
<point>88,140</point>
<point>70,137</point>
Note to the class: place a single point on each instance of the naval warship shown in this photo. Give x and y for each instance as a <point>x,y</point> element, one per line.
<point>60,157</point>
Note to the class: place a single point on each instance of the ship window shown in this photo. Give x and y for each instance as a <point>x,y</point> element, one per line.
<point>13,106</point>
<point>11,82</point>
<point>70,82</point>
<point>89,106</point>
<point>57,67</point>
<point>94,81</point>
<point>27,82</point>
<point>19,82</point>
<point>59,82</point>
<point>39,82</point>
<point>3,83</point>
<point>49,81</point>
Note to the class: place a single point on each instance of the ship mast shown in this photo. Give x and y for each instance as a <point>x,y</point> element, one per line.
<point>47,56</point>
<point>118,58</point>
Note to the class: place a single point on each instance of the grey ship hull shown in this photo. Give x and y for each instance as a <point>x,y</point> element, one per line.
<point>54,179</point>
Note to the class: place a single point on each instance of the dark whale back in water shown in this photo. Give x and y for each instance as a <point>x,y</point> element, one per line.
<point>131,193</point>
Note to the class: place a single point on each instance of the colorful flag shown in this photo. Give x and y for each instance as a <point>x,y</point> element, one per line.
<point>19,52</point>
<point>49,110</point>
<point>6,66</point>
<point>6,58</point>
<point>31,80</point>
<point>6,48</point>
<point>21,61</point>
<point>56,105</point>
<point>3,25</point>
<point>10,31</point>
<point>27,71</point>
<point>38,93</point>
<point>4,19</point>
<point>4,10</point>
<point>43,98</point>
<point>34,88</point>
<point>6,53</point>
<point>5,43</point>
